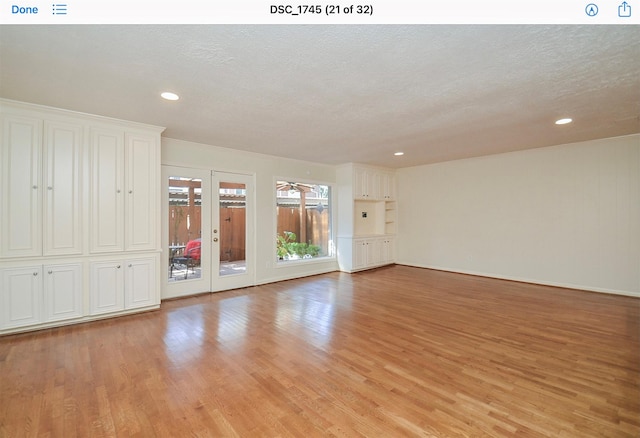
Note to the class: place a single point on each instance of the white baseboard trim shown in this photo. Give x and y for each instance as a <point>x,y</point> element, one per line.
<point>294,276</point>
<point>525,280</point>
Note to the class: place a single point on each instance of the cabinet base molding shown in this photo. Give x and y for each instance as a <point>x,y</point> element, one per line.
<point>80,320</point>
<point>368,268</point>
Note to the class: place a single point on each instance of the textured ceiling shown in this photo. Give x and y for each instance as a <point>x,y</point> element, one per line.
<point>337,94</point>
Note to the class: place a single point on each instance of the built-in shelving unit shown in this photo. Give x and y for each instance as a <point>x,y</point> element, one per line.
<point>367,217</point>
<point>390,217</point>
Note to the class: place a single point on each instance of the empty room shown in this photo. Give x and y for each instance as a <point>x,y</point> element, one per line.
<point>319,230</point>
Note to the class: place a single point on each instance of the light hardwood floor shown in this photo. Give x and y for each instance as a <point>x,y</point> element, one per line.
<point>394,352</point>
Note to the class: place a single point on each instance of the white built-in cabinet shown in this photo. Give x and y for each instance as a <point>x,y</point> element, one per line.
<point>62,291</point>
<point>373,184</point>
<point>40,187</point>
<point>21,300</point>
<point>118,285</point>
<point>368,252</point>
<point>123,188</point>
<point>366,183</point>
<point>367,217</point>
<point>388,186</point>
<point>78,192</point>
<point>39,294</point>
<point>107,186</point>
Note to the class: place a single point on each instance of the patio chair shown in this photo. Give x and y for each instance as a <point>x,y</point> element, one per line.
<point>189,257</point>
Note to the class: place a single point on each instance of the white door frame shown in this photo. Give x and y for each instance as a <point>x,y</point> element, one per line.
<point>210,280</point>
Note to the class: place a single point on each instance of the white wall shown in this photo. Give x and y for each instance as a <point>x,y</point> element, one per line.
<point>265,168</point>
<point>565,215</point>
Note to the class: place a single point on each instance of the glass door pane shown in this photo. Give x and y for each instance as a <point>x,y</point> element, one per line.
<point>186,235</point>
<point>233,228</point>
<point>232,231</point>
<point>185,228</point>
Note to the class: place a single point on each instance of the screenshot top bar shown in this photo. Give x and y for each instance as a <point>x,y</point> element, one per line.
<point>321,12</point>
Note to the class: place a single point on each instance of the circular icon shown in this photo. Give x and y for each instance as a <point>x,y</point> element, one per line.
<point>591,10</point>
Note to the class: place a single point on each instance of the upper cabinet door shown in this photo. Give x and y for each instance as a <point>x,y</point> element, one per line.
<point>20,191</point>
<point>107,190</point>
<point>388,185</point>
<point>142,174</point>
<point>62,220</point>
<point>368,184</point>
<point>373,184</point>
<point>360,189</point>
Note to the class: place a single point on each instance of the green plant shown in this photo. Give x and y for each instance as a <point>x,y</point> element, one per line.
<point>284,244</point>
<point>287,247</point>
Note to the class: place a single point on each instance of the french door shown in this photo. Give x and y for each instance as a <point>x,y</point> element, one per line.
<point>232,238</point>
<point>208,226</point>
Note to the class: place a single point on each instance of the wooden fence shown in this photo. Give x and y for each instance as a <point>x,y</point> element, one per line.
<point>233,223</point>
<point>232,239</point>
<point>317,229</point>
<point>232,234</point>
<point>178,233</point>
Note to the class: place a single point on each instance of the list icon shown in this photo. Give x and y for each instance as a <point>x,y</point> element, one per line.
<point>59,9</point>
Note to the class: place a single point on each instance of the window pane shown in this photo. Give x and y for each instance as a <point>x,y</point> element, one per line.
<point>233,228</point>
<point>185,228</point>
<point>304,220</point>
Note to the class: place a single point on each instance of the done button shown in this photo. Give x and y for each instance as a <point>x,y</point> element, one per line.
<point>23,10</point>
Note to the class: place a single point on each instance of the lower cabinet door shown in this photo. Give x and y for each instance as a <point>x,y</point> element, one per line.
<point>359,254</point>
<point>107,287</point>
<point>62,292</point>
<point>21,297</point>
<point>388,250</point>
<point>118,285</point>
<point>373,252</point>
<point>140,280</point>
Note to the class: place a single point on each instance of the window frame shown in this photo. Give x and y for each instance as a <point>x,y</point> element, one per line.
<point>331,243</point>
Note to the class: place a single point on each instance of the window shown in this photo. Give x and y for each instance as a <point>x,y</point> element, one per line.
<point>304,221</point>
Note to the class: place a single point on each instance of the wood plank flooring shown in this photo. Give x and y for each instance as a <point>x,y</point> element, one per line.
<point>394,352</point>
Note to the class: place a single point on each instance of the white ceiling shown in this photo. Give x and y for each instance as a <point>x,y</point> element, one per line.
<point>337,94</point>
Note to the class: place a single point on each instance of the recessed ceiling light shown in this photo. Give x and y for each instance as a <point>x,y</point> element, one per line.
<point>169,96</point>
<point>563,121</point>
<point>397,154</point>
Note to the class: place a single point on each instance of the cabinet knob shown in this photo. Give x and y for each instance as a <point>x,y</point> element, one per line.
<point>49,188</point>
<point>35,187</point>
<point>130,191</point>
<point>130,265</point>
<point>35,274</point>
<point>118,266</point>
<point>50,272</point>
<point>118,191</point>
